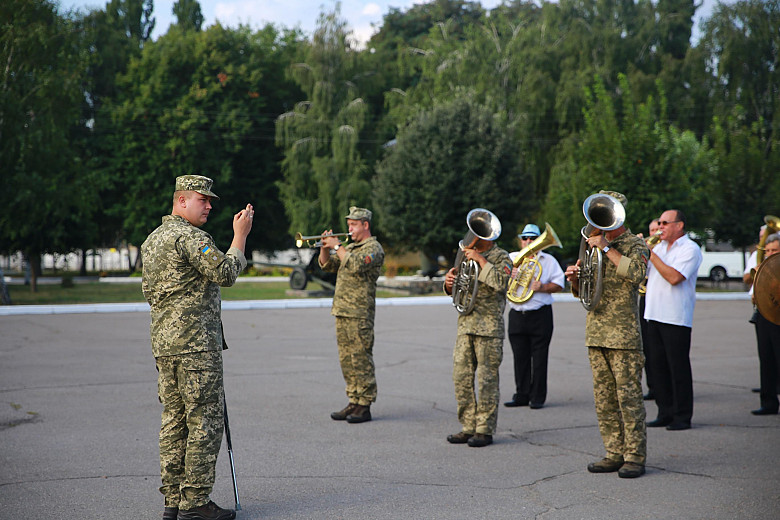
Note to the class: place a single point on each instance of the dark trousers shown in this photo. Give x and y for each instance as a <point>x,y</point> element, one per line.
<point>643,326</point>
<point>530,333</point>
<point>669,354</point>
<point>768,338</point>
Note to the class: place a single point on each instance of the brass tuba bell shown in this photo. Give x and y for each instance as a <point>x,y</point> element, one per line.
<point>602,212</point>
<point>484,225</point>
<point>529,269</point>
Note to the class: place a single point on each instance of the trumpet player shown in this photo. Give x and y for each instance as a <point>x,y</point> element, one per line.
<point>614,344</point>
<point>670,300</point>
<point>358,265</point>
<point>530,325</point>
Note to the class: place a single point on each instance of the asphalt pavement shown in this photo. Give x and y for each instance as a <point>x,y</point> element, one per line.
<point>79,419</point>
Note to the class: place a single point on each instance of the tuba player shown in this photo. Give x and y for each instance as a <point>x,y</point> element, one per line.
<point>614,344</point>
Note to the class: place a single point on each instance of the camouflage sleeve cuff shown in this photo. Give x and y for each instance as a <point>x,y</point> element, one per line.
<point>623,266</point>
<point>235,252</point>
<point>483,273</point>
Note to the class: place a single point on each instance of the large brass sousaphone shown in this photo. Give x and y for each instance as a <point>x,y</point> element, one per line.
<point>602,212</point>
<point>482,224</point>
<point>529,269</point>
<point>766,289</point>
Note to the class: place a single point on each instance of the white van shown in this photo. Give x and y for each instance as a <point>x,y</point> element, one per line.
<point>720,261</point>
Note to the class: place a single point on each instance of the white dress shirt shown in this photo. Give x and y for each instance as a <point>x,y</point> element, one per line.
<point>667,303</point>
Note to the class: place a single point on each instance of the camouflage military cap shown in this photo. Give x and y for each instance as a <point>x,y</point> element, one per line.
<point>197,183</point>
<point>356,213</point>
<point>619,196</point>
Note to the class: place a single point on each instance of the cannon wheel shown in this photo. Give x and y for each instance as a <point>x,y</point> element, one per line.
<point>298,279</point>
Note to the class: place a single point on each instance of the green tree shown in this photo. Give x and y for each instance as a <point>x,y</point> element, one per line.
<point>747,187</point>
<point>188,14</point>
<point>741,43</point>
<point>323,170</point>
<point>202,102</point>
<point>46,194</point>
<point>450,159</point>
<point>656,165</point>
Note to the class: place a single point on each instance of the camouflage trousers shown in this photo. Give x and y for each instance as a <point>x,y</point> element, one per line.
<point>355,339</point>
<point>478,356</point>
<point>620,408</point>
<point>190,389</point>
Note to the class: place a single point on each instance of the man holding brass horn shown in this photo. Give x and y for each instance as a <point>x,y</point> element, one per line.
<point>530,321</point>
<point>614,344</point>
<point>480,341</point>
<point>669,304</point>
<point>358,265</point>
<point>182,273</point>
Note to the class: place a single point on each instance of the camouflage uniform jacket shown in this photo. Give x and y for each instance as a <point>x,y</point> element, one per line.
<point>355,295</point>
<point>182,273</point>
<point>614,323</point>
<point>487,317</point>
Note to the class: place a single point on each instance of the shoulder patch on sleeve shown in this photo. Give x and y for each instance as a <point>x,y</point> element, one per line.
<point>507,269</point>
<point>369,258</point>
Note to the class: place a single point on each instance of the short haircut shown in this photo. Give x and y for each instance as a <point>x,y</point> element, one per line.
<point>774,237</point>
<point>680,216</point>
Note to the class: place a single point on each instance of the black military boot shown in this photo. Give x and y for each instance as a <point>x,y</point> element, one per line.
<point>359,414</point>
<point>170,513</point>
<point>342,414</point>
<point>210,511</point>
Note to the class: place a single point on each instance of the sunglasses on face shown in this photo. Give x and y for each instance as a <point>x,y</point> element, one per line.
<point>667,222</point>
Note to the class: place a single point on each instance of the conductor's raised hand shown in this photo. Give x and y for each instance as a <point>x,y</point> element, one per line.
<point>242,221</point>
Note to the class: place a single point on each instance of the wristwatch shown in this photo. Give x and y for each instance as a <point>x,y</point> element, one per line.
<point>605,250</point>
<point>336,247</point>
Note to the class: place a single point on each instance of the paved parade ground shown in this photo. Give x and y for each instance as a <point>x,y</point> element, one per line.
<point>79,419</point>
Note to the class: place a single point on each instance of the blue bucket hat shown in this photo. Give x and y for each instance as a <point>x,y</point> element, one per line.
<point>530,231</point>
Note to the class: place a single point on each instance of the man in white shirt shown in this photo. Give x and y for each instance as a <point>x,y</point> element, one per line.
<point>669,303</point>
<point>530,326</point>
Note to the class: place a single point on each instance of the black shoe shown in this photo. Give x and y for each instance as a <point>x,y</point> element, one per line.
<point>605,465</point>
<point>755,390</point>
<point>659,422</point>
<point>631,470</point>
<point>764,411</point>
<point>649,396</point>
<point>210,511</point>
<point>536,406</point>
<point>513,403</point>
<point>677,426</point>
<point>516,401</point>
<point>459,438</point>
<point>359,414</point>
<point>341,415</point>
<point>479,440</point>
<point>170,513</point>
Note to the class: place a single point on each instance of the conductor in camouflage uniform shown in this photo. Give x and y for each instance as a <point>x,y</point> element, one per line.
<point>614,341</point>
<point>182,273</point>
<point>479,345</point>
<point>358,265</point>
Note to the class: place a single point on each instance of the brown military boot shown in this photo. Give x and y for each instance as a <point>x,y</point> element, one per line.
<point>480,440</point>
<point>210,511</point>
<point>459,438</point>
<point>359,414</point>
<point>605,465</point>
<point>342,414</point>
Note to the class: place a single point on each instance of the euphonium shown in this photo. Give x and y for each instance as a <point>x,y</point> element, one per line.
<point>602,212</point>
<point>651,243</point>
<point>529,269</point>
<point>482,225</point>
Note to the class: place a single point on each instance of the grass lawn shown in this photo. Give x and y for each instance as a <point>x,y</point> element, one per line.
<point>96,292</point>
